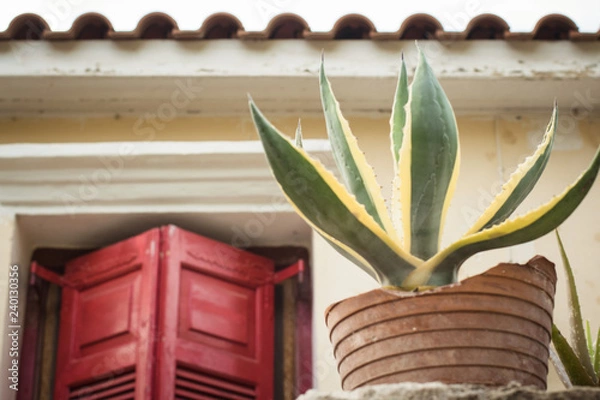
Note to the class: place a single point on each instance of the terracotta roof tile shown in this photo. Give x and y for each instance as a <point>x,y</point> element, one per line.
<point>25,27</point>
<point>420,26</point>
<point>487,26</point>
<point>353,26</point>
<point>86,27</point>
<point>283,26</point>
<point>288,26</point>
<point>153,26</point>
<point>417,26</point>
<point>291,26</point>
<point>216,26</point>
<point>554,27</point>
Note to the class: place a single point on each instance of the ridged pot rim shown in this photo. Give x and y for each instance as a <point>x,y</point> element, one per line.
<point>538,263</point>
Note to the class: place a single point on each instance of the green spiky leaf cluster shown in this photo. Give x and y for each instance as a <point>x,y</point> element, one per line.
<point>577,365</point>
<point>403,249</point>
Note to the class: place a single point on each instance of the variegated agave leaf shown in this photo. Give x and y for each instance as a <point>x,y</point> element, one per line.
<point>398,118</point>
<point>429,160</point>
<point>327,206</point>
<point>443,267</point>
<point>520,183</point>
<point>357,174</point>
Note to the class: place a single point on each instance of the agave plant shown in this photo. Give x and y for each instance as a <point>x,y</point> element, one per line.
<point>403,249</point>
<point>578,365</point>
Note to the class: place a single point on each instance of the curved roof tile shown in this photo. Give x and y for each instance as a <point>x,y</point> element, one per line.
<point>554,27</point>
<point>86,27</point>
<point>25,27</point>
<point>487,26</point>
<point>291,26</point>
<point>216,26</point>
<point>350,26</point>
<point>156,25</point>
<point>420,26</point>
<point>221,26</point>
<point>415,27</point>
<point>282,26</point>
<point>353,26</point>
<point>287,26</point>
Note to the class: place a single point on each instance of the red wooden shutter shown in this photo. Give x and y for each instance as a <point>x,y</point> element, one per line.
<point>215,320</point>
<point>105,347</point>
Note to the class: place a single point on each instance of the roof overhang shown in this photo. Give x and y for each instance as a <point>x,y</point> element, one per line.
<point>213,77</point>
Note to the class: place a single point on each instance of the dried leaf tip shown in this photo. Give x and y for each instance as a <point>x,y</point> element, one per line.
<point>299,135</point>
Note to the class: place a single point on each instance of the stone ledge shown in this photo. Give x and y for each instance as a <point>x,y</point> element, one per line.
<point>435,390</point>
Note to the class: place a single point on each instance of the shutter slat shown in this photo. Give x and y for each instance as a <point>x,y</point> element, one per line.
<point>202,384</point>
<point>237,387</point>
<point>103,384</point>
<point>119,387</point>
<point>124,390</point>
<point>128,396</point>
<point>216,392</point>
<point>181,394</point>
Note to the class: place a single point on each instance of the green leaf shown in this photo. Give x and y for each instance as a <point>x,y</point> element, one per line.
<point>429,163</point>
<point>560,368</point>
<point>572,365</point>
<point>357,174</point>
<point>588,338</point>
<point>578,336</point>
<point>520,183</point>
<point>597,356</point>
<point>398,117</point>
<point>328,207</point>
<point>443,267</point>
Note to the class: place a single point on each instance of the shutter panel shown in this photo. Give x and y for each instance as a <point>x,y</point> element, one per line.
<point>107,320</point>
<point>215,320</point>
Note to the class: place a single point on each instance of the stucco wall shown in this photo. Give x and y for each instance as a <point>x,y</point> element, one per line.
<point>491,147</point>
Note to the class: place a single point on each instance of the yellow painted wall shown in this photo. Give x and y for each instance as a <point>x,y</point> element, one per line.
<point>85,130</point>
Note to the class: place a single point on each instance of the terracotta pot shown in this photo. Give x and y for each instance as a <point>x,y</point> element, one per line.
<point>490,329</point>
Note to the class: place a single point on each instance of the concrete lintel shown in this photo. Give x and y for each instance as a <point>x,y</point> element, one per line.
<point>154,176</point>
<point>213,77</point>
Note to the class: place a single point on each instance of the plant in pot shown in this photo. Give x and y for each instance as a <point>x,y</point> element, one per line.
<point>422,325</point>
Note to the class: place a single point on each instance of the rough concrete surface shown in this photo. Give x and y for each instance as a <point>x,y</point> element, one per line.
<point>440,391</point>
